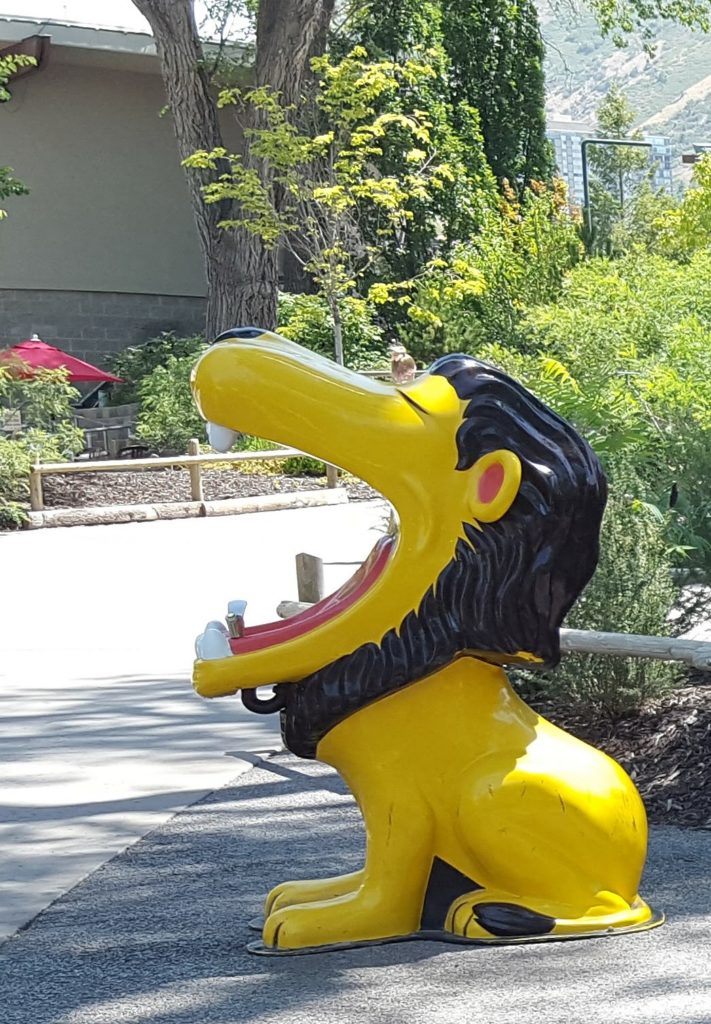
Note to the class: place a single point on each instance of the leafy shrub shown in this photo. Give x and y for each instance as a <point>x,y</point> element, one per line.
<point>47,435</point>
<point>42,397</point>
<point>625,354</point>
<point>264,467</point>
<point>303,465</point>
<point>485,289</point>
<point>12,515</point>
<point>18,454</point>
<point>306,320</point>
<point>631,592</point>
<point>139,361</point>
<point>169,417</point>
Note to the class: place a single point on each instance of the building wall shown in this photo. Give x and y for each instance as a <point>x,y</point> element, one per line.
<point>567,142</point>
<point>109,207</point>
<point>661,159</point>
<point>568,158</point>
<point>93,324</point>
<point>93,258</point>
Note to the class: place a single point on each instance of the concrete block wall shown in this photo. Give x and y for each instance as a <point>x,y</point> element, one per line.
<point>91,325</point>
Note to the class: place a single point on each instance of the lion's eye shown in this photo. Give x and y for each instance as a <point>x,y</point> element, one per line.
<point>239,333</point>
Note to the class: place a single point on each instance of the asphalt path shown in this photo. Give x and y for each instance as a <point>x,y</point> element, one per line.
<point>101,735</point>
<point>157,935</point>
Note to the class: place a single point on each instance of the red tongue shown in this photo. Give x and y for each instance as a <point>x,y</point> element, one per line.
<point>256,638</point>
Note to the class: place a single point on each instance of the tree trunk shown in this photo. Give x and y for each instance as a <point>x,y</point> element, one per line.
<point>289,34</point>
<point>241,275</point>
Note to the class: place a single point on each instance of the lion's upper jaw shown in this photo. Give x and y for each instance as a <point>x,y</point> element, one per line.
<point>487,560</point>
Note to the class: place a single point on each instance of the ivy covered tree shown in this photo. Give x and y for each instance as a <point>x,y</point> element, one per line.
<point>490,71</point>
<point>496,54</point>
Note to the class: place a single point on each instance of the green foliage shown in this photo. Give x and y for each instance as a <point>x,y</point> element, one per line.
<point>616,171</point>
<point>489,85</point>
<point>454,210</point>
<point>631,592</point>
<point>13,515</point>
<point>18,454</point>
<point>496,54</point>
<point>262,467</point>
<point>483,292</point>
<point>620,18</point>
<point>138,361</point>
<point>625,354</point>
<point>303,465</point>
<point>685,228</point>
<point>314,190</point>
<point>47,434</point>
<point>42,397</point>
<point>615,119</point>
<point>306,320</point>
<point>169,417</point>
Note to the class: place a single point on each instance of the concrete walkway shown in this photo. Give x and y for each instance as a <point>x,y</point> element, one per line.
<point>101,735</point>
<point>157,935</point>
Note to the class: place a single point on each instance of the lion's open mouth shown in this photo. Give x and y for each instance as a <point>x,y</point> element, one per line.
<point>232,637</point>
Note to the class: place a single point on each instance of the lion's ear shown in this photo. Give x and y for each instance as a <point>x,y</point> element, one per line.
<point>494,482</point>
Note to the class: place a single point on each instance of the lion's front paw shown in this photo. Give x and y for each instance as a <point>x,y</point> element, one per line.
<point>294,927</point>
<point>355,917</point>
<point>288,894</point>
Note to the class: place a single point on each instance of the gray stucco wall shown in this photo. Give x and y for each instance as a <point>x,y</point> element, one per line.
<point>93,324</point>
<point>108,208</point>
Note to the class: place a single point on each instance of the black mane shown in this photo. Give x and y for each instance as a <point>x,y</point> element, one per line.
<point>509,585</point>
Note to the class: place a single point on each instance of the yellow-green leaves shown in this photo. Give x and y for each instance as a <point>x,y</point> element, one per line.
<point>312,183</point>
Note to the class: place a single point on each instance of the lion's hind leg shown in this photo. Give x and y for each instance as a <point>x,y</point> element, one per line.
<point>497,916</point>
<point>314,890</point>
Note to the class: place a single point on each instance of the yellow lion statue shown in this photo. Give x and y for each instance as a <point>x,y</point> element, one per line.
<point>485,823</point>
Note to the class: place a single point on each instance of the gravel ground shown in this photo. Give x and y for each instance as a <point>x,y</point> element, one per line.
<point>157,935</point>
<point>74,490</point>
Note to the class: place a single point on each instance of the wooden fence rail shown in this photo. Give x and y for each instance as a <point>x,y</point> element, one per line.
<point>193,461</point>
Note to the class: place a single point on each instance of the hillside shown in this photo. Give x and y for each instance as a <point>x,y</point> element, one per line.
<point>669,89</point>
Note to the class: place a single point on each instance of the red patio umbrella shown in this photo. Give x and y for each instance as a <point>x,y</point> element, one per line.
<point>39,355</point>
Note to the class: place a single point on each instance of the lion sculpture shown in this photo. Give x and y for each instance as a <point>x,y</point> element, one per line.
<point>485,823</point>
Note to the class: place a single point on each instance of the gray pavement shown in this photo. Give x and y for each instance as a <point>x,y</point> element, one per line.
<point>101,735</point>
<point>157,935</point>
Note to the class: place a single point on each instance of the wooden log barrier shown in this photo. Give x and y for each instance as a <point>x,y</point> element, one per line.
<point>696,653</point>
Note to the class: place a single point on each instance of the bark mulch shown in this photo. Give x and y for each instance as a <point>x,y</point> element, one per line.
<point>79,490</point>
<point>666,749</point>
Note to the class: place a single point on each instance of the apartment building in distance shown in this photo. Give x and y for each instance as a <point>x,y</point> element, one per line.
<point>567,135</point>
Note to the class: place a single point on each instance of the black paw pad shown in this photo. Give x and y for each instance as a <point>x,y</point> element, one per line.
<point>511,920</point>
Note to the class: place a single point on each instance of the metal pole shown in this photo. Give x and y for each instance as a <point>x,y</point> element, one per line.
<point>584,157</point>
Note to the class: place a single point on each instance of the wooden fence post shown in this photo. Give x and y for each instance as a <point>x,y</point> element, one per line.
<point>36,495</point>
<point>195,470</point>
<point>309,578</point>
